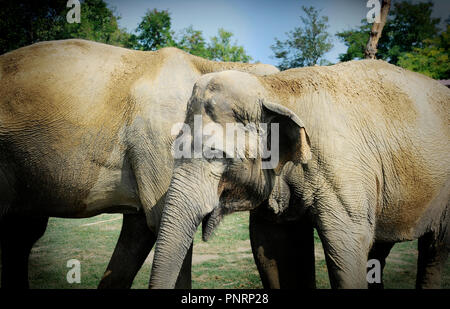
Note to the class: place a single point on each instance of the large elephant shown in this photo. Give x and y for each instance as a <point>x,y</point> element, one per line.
<point>364,145</point>
<point>85,128</point>
<point>283,246</point>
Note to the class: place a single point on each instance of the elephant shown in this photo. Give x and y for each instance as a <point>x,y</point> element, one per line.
<point>282,244</point>
<point>85,129</point>
<point>364,145</point>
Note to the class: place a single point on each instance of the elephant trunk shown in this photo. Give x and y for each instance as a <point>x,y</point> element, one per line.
<point>191,196</point>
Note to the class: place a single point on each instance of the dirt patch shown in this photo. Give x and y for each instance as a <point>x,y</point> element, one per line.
<point>201,258</point>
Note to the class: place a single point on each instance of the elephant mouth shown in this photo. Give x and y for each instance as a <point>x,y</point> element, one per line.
<point>210,222</point>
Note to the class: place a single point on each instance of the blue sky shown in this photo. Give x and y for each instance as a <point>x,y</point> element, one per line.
<point>255,23</point>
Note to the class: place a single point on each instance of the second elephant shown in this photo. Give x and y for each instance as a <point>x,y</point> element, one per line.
<point>369,144</point>
<point>282,242</point>
<point>86,128</point>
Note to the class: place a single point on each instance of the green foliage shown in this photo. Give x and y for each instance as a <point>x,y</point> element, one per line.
<point>432,59</point>
<point>306,44</point>
<point>26,22</point>
<point>407,27</point>
<point>193,42</point>
<point>98,23</point>
<point>356,41</point>
<point>410,26</point>
<point>23,23</point>
<point>222,49</point>
<point>154,31</point>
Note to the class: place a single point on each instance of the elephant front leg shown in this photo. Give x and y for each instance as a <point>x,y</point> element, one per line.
<point>284,253</point>
<point>134,244</point>
<point>17,236</point>
<point>346,245</point>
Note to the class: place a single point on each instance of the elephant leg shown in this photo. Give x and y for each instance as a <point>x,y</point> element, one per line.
<point>134,244</point>
<point>380,251</point>
<point>17,236</point>
<point>433,253</point>
<point>132,248</point>
<point>346,245</point>
<point>283,253</point>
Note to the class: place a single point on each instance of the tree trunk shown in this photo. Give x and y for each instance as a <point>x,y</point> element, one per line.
<point>377,29</point>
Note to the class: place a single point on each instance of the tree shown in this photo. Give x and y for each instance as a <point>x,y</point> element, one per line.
<point>408,25</point>
<point>25,22</point>
<point>219,48</point>
<point>431,59</point>
<point>154,31</point>
<point>98,23</point>
<point>22,22</point>
<point>193,42</point>
<point>411,25</point>
<point>376,31</point>
<point>222,49</point>
<point>305,45</point>
<point>355,40</point>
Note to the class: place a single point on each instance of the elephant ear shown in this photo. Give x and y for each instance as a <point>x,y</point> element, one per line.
<point>294,144</point>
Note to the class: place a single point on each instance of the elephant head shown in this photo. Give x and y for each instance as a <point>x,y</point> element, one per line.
<point>217,175</point>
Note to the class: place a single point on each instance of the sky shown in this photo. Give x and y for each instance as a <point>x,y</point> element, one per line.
<point>255,23</point>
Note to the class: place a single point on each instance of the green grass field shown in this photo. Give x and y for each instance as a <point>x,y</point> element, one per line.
<point>223,262</point>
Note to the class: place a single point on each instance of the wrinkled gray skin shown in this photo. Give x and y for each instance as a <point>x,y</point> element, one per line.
<point>370,163</point>
<point>283,245</point>
<point>85,128</point>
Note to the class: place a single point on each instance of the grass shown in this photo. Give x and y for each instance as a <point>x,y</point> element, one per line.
<point>223,262</point>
